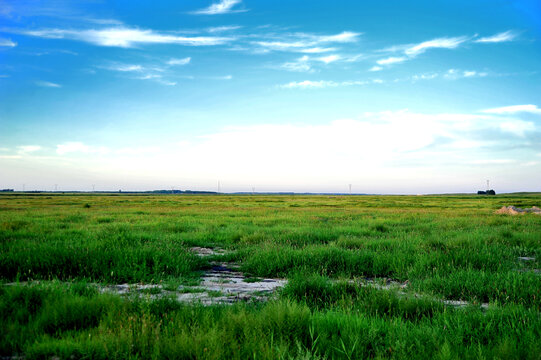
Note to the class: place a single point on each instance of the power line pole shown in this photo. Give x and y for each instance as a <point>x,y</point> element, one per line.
<point>350,189</point>
<point>488,186</point>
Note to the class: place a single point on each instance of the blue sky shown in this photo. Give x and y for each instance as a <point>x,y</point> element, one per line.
<point>391,97</point>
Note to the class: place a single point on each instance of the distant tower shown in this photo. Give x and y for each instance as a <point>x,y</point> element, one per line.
<point>93,188</point>
<point>488,186</point>
<point>350,189</point>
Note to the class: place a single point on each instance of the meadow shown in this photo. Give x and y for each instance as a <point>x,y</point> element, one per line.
<point>54,248</point>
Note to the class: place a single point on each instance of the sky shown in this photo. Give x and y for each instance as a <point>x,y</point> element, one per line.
<point>390,97</point>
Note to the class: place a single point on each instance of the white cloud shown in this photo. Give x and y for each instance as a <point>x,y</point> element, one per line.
<point>391,60</point>
<point>514,109</point>
<point>300,65</point>
<point>307,43</point>
<point>125,68</point>
<point>79,147</point>
<point>183,61</point>
<point>329,59</point>
<point>167,82</point>
<point>343,37</point>
<point>7,43</point>
<point>469,73</point>
<point>316,50</point>
<point>48,84</point>
<point>492,161</point>
<point>517,127</point>
<point>441,43</point>
<point>125,37</point>
<point>309,84</point>
<point>218,29</point>
<point>28,148</point>
<point>501,37</point>
<point>149,77</point>
<point>222,7</point>
<point>376,68</point>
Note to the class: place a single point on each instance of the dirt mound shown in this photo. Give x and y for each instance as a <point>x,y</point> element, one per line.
<point>512,210</point>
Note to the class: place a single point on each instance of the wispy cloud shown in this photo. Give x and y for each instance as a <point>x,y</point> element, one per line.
<point>125,68</point>
<point>376,68</point>
<point>153,73</point>
<point>48,84</point>
<point>300,65</point>
<point>439,43</point>
<point>222,7</point>
<point>183,61</point>
<point>457,74</point>
<point>125,37</point>
<point>514,109</point>
<point>307,43</point>
<point>517,127</point>
<point>28,148</point>
<point>219,29</point>
<point>501,37</point>
<point>7,43</point>
<point>412,51</point>
<point>391,60</point>
<point>79,147</point>
<point>309,84</point>
<point>329,59</point>
<point>316,50</point>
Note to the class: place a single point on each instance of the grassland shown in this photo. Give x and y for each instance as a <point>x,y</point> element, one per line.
<point>443,247</point>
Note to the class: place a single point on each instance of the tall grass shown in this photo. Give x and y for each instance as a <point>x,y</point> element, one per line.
<point>444,247</point>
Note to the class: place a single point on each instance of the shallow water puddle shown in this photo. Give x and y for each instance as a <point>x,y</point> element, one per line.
<point>222,284</point>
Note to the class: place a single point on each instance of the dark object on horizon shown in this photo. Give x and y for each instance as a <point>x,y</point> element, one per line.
<point>488,192</point>
<point>7,190</point>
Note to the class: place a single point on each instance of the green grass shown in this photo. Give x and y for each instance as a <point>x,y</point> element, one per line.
<point>445,247</point>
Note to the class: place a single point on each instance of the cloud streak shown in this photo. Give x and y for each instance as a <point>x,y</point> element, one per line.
<point>501,37</point>
<point>219,8</point>
<point>125,37</point>
<point>514,109</point>
<point>7,43</point>
<point>48,84</point>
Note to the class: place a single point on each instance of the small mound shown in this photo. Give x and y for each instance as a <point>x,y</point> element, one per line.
<point>513,210</point>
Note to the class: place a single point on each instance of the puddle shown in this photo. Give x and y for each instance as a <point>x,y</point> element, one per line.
<point>204,252</point>
<point>222,284</point>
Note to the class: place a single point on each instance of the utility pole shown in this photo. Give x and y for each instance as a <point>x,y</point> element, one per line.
<point>350,189</point>
<point>488,186</point>
<point>93,188</point>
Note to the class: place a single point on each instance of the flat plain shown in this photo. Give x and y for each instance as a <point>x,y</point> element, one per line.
<point>365,276</point>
